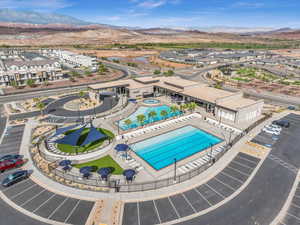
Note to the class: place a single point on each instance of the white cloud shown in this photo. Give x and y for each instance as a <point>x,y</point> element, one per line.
<point>151,4</point>
<point>249,4</point>
<point>47,5</point>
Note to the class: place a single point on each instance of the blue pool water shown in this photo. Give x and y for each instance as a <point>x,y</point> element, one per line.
<point>145,111</point>
<point>160,151</point>
<point>151,101</point>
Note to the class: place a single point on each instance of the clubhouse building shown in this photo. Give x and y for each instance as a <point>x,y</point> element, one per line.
<point>224,105</point>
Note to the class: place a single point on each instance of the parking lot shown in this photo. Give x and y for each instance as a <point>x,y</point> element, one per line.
<point>12,140</point>
<point>49,205</point>
<point>192,201</point>
<point>292,216</point>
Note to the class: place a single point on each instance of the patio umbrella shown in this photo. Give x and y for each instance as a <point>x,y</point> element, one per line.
<point>104,172</point>
<point>129,174</point>
<point>121,147</point>
<point>86,169</point>
<point>65,162</point>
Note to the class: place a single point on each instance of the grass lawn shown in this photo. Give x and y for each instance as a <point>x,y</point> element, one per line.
<point>91,146</point>
<point>106,161</point>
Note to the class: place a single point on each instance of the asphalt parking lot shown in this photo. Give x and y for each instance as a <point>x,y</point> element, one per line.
<point>202,197</point>
<point>12,140</point>
<point>292,216</point>
<point>49,205</point>
<point>261,201</point>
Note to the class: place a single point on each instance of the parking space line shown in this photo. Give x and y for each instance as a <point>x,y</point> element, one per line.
<point>138,213</point>
<point>293,216</point>
<point>239,171</point>
<point>23,191</point>
<point>243,165</point>
<point>28,200</point>
<point>70,214</point>
<point>13,186</point>
<point>54,211</point>
<point>297,196</point>
<point>188,202</point>
<point>174,207</point>
<point>44,203</point>
<point>202,196</point>
<point>246,159</point>
<point>215,191</point>
<point>295,205</point>
<point>156,210</point>
<point>227,185</point>
<point>232,177</point>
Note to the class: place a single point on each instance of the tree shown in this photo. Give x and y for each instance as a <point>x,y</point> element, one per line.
<point>141,118</point>
<point>102,69</point>
<point>41,105</point>
<point>75,74</point>
<point>192,106</point>
<point>14,84</point>
<point>164,114</point>
<point>88,73</point>
<point>183,107</point>
<point>169,73</point>
<point>174,109</point>
<point>46,83</point>
<point>36,100</point>
<point>157,72</point>
<point>81,95</point>
<point>128,122</point>
<point>152,114</point>
<point>30,82</point>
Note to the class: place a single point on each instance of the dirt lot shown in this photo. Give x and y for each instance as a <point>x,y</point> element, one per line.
<point>295,53</point>
<point>164,63</point>
<point>117,53</point>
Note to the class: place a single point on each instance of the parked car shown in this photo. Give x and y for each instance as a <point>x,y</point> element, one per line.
<point>269,131</point>
<point>282,123</point>
<point>10,164</point>
<point>8,157</point>
<point>15,178</point>
<point>273,127</point>
<point>291,107</point>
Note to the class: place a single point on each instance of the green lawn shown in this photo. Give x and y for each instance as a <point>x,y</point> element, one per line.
<point>91,146</point>
<point>106,161</point>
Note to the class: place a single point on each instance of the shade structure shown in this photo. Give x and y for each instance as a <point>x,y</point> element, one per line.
<point>71,139</point>
<point>121,147</point>
<point>86,169</point>
<point>62,130</point>
<point>129,174</point>
<point>104,172</point>
<point>93,135</point>
<point>65,162</point>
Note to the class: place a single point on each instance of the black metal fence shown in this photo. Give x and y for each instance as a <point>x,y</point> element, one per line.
<point>120,185</point>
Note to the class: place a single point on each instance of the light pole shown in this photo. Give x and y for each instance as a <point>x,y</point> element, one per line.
<point>175,167</point>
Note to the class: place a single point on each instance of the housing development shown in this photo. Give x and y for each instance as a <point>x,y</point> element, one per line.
<point>150,113</point>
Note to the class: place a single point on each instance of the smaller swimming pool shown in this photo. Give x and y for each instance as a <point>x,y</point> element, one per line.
<point>151,101</point>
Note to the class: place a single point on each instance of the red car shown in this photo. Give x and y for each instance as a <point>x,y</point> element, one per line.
<point>10,164</point>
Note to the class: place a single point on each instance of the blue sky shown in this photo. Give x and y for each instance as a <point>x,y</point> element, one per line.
<point>174,13</point>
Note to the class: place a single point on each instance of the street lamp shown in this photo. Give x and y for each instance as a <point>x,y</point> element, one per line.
<point>175,167</point>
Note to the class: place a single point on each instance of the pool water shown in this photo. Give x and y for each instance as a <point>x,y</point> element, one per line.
<point>151,101</point>
<point>145,111</point>
<point>160,151</point>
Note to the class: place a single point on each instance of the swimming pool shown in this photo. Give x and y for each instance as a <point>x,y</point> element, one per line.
<point>145,110</point>
<point>160,151</point>
<point>151,101</point>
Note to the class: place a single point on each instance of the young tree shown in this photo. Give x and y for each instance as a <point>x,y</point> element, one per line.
<point>164,114</point>
<point>141,119</point>
<point>88,73</point>
<point>152,114</point>
<point>157,72</point>
<point>128,122</point>
<point>30,82</point>
<point>81,95</point>
<point>41,106</point>
<point>174,109</point>
<point>14,84</point>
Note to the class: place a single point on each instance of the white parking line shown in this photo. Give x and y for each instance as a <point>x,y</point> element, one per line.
<point>243,165</point>
<point>155,207</point>
<point>227,185</point>
<point>138,213</point>
<point>293,216</point>
<point>70,214</point>
<point>238,171</point>
<point>215,191</point>
<point>28,200</point>
<point>203,196</point>
<point>33,185</point>
<point>188,202</point>
<point>234,178</point>
<point>54,211</point>
<point>247,159</point>
<point>174,207</point>
<point>52,196</point>
<point>295,205</point>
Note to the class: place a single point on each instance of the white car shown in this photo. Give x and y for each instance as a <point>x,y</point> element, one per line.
<point>269,131</point>
<point>273,127</point>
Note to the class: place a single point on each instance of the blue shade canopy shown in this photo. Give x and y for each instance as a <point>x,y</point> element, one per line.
<point>71,139</point>
<point>86,169</point>
<point>129,174</point>
<point>93,135</point>
<point>62,130</point>
<point>104,172</point>
<point>121,147</point>
<point>65,162</point>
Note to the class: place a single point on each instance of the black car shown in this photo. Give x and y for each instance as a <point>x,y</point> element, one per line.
<point>15,178</point>
<point>9,157</point>
<point>282,123</point>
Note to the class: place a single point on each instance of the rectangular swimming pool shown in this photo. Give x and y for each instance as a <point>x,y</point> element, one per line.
<point>160,151</point>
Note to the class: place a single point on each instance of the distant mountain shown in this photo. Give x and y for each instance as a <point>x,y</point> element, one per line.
<point>30,17</point>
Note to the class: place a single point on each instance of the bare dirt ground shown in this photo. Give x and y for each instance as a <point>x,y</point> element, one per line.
<point>163,63</point>
<point>68,83</point>
<point>295,53</point>
<point>116,53</point>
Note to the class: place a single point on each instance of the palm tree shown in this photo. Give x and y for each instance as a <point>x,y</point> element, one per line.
<point>128,122</point>
<point>192,106</point>
<point>141,118</point>
<point>182,107</point>
<point>41,105</point>
<point>174,109</point>
<point>81,94</point>
<point>164,114</point>
<point>152,114</point>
